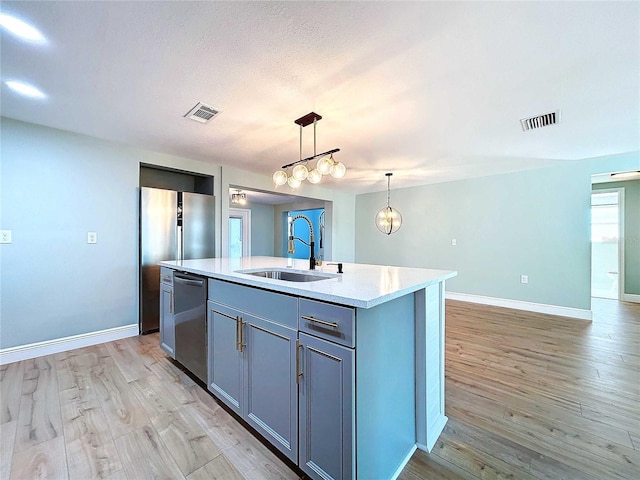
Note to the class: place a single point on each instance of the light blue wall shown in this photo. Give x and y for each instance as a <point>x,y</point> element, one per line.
<point>533,222</point>
<point>262,224</point>
<point>57,186</point>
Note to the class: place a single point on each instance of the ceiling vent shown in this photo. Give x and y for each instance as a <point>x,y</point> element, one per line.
<point>540,121</point>
<point>202,113</point>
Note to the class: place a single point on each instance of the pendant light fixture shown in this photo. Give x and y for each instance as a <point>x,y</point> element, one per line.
<point>238,198</point>
<point>388,219</point>
<point>325,165</point>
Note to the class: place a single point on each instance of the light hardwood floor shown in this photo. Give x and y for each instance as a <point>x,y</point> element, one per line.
<point>528,396</point>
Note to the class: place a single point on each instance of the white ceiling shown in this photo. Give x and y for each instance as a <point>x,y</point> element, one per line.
<point>432,91</point>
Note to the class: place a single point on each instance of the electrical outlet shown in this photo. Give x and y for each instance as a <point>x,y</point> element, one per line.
<point>92,237</point>
<point>524,278</point>
<point>5,236</point>
<point>454,242</point>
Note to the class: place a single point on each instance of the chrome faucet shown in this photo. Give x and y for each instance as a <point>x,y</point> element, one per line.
<point>311,244</point>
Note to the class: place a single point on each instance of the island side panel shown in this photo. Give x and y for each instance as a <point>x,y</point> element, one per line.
<point>385,388</point>
<point>430,338</point>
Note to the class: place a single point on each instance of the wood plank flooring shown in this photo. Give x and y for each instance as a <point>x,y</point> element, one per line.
<point>528,396</point>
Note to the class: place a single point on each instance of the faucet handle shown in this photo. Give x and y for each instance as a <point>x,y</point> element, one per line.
<point>339,266</point>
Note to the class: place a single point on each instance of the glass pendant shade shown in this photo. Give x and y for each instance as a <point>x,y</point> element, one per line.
<point>324,165</point>
<point>314,176</point>
<point>280,177</point>
<point>300,172</point>
<point>388,220</point>
<point>293,182</point>
<point>302,169</point>
<point>338,170</point>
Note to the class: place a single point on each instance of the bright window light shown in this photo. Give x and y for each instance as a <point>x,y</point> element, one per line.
<point>21,29</point>
<point>24,89</point>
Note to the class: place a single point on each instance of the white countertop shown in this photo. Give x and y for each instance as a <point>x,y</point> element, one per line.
<point>360,285</point>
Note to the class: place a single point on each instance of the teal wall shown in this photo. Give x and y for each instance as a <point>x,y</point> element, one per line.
<point>631,233</point>
<point>534,222</point>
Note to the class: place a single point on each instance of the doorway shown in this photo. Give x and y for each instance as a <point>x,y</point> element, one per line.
<point>607,212</point>
<point>239,232</point>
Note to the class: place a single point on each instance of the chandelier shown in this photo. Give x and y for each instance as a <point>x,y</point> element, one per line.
<point>325,165</point>
<point>238,198</point>
<point>388,219</point>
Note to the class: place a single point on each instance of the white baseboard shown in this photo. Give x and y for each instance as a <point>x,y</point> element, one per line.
<point>520,305</point>
<point>404,463</point>
<point>631,297</point>
<point>33,350</point>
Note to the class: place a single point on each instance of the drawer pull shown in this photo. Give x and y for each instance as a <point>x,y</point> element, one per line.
<point>321,322</point>
<point>166,279</point>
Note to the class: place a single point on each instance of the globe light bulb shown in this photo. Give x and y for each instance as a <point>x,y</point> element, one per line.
<point>293,182</point>
<point>280,177</point>
<point>300,172</point>
<point>314,176</point>
<point>324,165</point>
<point>388,220</point>
<point>338,170</point>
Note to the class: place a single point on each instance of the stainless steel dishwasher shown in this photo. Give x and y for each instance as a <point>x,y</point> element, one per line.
<point>190,309</point>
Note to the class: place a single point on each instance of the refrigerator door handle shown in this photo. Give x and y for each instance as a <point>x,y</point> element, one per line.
<point>179,245</point>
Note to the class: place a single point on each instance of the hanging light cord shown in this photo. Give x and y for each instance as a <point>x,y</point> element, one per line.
<point>388,188</point>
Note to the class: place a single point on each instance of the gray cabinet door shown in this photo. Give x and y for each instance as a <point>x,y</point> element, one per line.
<point>326,394</point>
<point>271,393</point>
<point>167,320</point>
<point>225,357</point>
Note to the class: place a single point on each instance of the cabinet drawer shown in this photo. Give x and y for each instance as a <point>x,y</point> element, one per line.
<point>331,322</point>
<point>276,307</point>
<point>166,276</point>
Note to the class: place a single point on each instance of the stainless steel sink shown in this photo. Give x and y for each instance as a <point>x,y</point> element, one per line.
<point>289,275</point>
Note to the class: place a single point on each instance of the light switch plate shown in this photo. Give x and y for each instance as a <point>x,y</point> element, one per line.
<point>454,242</point>
<point>5,236</point>
<point>524,278</point>
<point>92,237</point>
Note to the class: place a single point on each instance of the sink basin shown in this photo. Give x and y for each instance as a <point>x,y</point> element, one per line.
<point>289,275</point>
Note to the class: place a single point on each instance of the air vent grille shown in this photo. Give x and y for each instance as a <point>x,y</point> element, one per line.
<point>202,113</point>
<point>540,121</point>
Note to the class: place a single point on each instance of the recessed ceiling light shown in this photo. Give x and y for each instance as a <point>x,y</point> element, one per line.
<point>21,29</point>
<point>24,89</point>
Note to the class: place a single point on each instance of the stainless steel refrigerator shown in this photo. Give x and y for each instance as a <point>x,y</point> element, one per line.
<point>173,226</point>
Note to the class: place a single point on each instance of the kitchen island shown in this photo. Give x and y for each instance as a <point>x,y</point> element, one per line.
<point>343,374</point>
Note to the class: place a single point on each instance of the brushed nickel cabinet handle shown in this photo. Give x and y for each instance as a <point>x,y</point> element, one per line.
<point>171,306</point>
<point>321,322</point>
<point>242,344</point>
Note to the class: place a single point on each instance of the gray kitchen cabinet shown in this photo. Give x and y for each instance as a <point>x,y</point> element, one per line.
<point>167,318</point>
<point>271,393</point>
<point>326,396</point>
<point>224,355</point>
<point>252,364</point>
<point>337,415</point>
